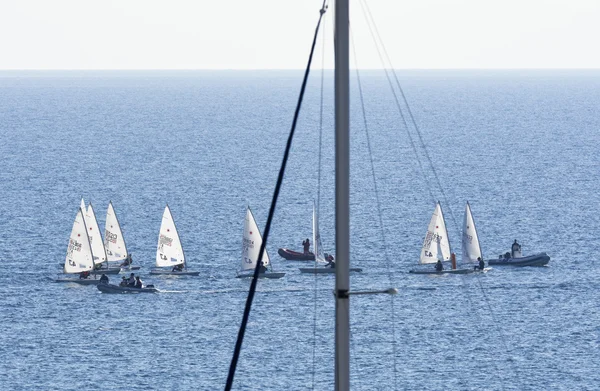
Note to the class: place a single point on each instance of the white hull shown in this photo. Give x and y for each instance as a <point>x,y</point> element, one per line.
<point>80,281</point>
<point>449,271</point>
<point>172,273</point>
<point>262,275</point>
<point>325,270</point>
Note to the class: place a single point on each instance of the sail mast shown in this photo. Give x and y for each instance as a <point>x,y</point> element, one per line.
<point>342,199</point>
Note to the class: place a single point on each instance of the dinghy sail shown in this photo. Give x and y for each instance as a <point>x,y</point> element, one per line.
<point>79,253</point>
<point>471,249</point>
<point>251,242</point>
<point>169,252</point>
<point>436,244</point>
<point>98,249</point>
<point>116,250</point>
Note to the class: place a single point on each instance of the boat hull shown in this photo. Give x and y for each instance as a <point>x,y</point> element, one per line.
<point>262,275</point>
<point>106,271</point>
<point>172,273</point>
<point>325,270</point>
<point>80,281</point>
<point>111,288</point>
<point>292,255</point>
<point>449,271</point>
<point>540,259</point>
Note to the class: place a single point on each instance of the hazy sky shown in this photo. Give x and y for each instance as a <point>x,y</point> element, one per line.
<point>276,34</point>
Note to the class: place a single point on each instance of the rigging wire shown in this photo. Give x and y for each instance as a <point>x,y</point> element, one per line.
<point>317,207</point>
<point>376,38</point>
<point>252,290</point>
<point>378,202</point>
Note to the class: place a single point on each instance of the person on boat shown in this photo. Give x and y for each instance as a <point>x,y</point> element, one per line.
<point>306,246</point>
<point>127,261</point>
<point>97,266</point>
<point>438,266</point>
<point>515,248</point>
<point>138,282</point>
<point>131,280</point>
<point>481,264</point>
<point>123,281</point>
<point>104,279</point>
<point>262,268</point>
<point>177,268</point>
<point>330,261</point>
<point>84,275</point>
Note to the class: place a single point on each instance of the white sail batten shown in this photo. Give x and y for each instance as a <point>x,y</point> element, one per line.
<point>169,251</point>
<point>98,250</point>
<point>318,247</point>
<point>471,250</point>
<point>436,240</point>
<point>116,250</point>
<point>79,253</point>
<point>251,243</point>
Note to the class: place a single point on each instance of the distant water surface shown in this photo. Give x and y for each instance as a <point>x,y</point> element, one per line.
<point>521,146</point>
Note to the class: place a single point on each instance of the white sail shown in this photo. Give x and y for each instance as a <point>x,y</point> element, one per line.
<point>98,250</point>
<point>251,243</point>
<point>82,205</point>
<point>318,247</point>
<point>471,249</point>
<point>436,240</point>
<point>169,251</point>
<point>116,250</point>
<point>79,253</point>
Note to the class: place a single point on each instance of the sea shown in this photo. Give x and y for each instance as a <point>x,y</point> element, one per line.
<point>522,146</point>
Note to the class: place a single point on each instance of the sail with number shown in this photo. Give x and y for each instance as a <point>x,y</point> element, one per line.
<point>436,243</point>
<point>116,250</point>
<point>169,251</point>
<point>471,250</point>
<point>98,250</point>
<point>79,253</point>
<point>251,243</point>
<point>318,247</point>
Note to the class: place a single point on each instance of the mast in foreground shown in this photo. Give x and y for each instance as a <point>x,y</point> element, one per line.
<point>342,201</point>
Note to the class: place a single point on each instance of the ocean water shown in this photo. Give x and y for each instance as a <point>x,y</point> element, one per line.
<point>520,146</point>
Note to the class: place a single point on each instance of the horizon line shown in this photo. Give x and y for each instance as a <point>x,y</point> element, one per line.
<point>288,69</point>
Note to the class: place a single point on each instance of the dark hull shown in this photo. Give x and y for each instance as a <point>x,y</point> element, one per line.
<point>110,288</point>
<point>292,255</point>
<point>540,259</point>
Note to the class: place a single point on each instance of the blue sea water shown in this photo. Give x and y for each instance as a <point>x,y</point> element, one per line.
<point>521,146</point>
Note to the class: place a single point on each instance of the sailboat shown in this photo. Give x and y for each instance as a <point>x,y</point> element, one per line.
<point>319,255</point>
<point>436,246</point>
<point>251,242</point>
<point>98,249</point>
<point>114,242</point>
<point>169,252</point>
<point>79,253</point>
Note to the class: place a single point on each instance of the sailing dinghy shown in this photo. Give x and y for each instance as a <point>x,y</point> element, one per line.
<point>79,257</point>
<point>98,250</point>
<point>251,242</point>
<point>471,250</point>
<point>169,252</point>
<point>437,246</point>
<point>114,242</point>
<point>319,255</point>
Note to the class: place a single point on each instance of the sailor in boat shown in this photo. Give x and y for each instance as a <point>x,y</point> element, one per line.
<point>306,246</point>
<point>131,280</point>
<point>127,261</point>
<point>104,279</point>
<point>84,275</point>
<point>123,282</point>
<point>177,268</point>
<point>438,266</point>
<point>330,262</point>
<point>515,249</point>
<point>262,268</point>
<point>138,282</point>
<point>481,265</point>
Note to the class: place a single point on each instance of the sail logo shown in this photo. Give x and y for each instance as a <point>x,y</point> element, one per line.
<point>429,238</point>
<point>110,237</point>
<point>164,240</point>
<point>467,238</point>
